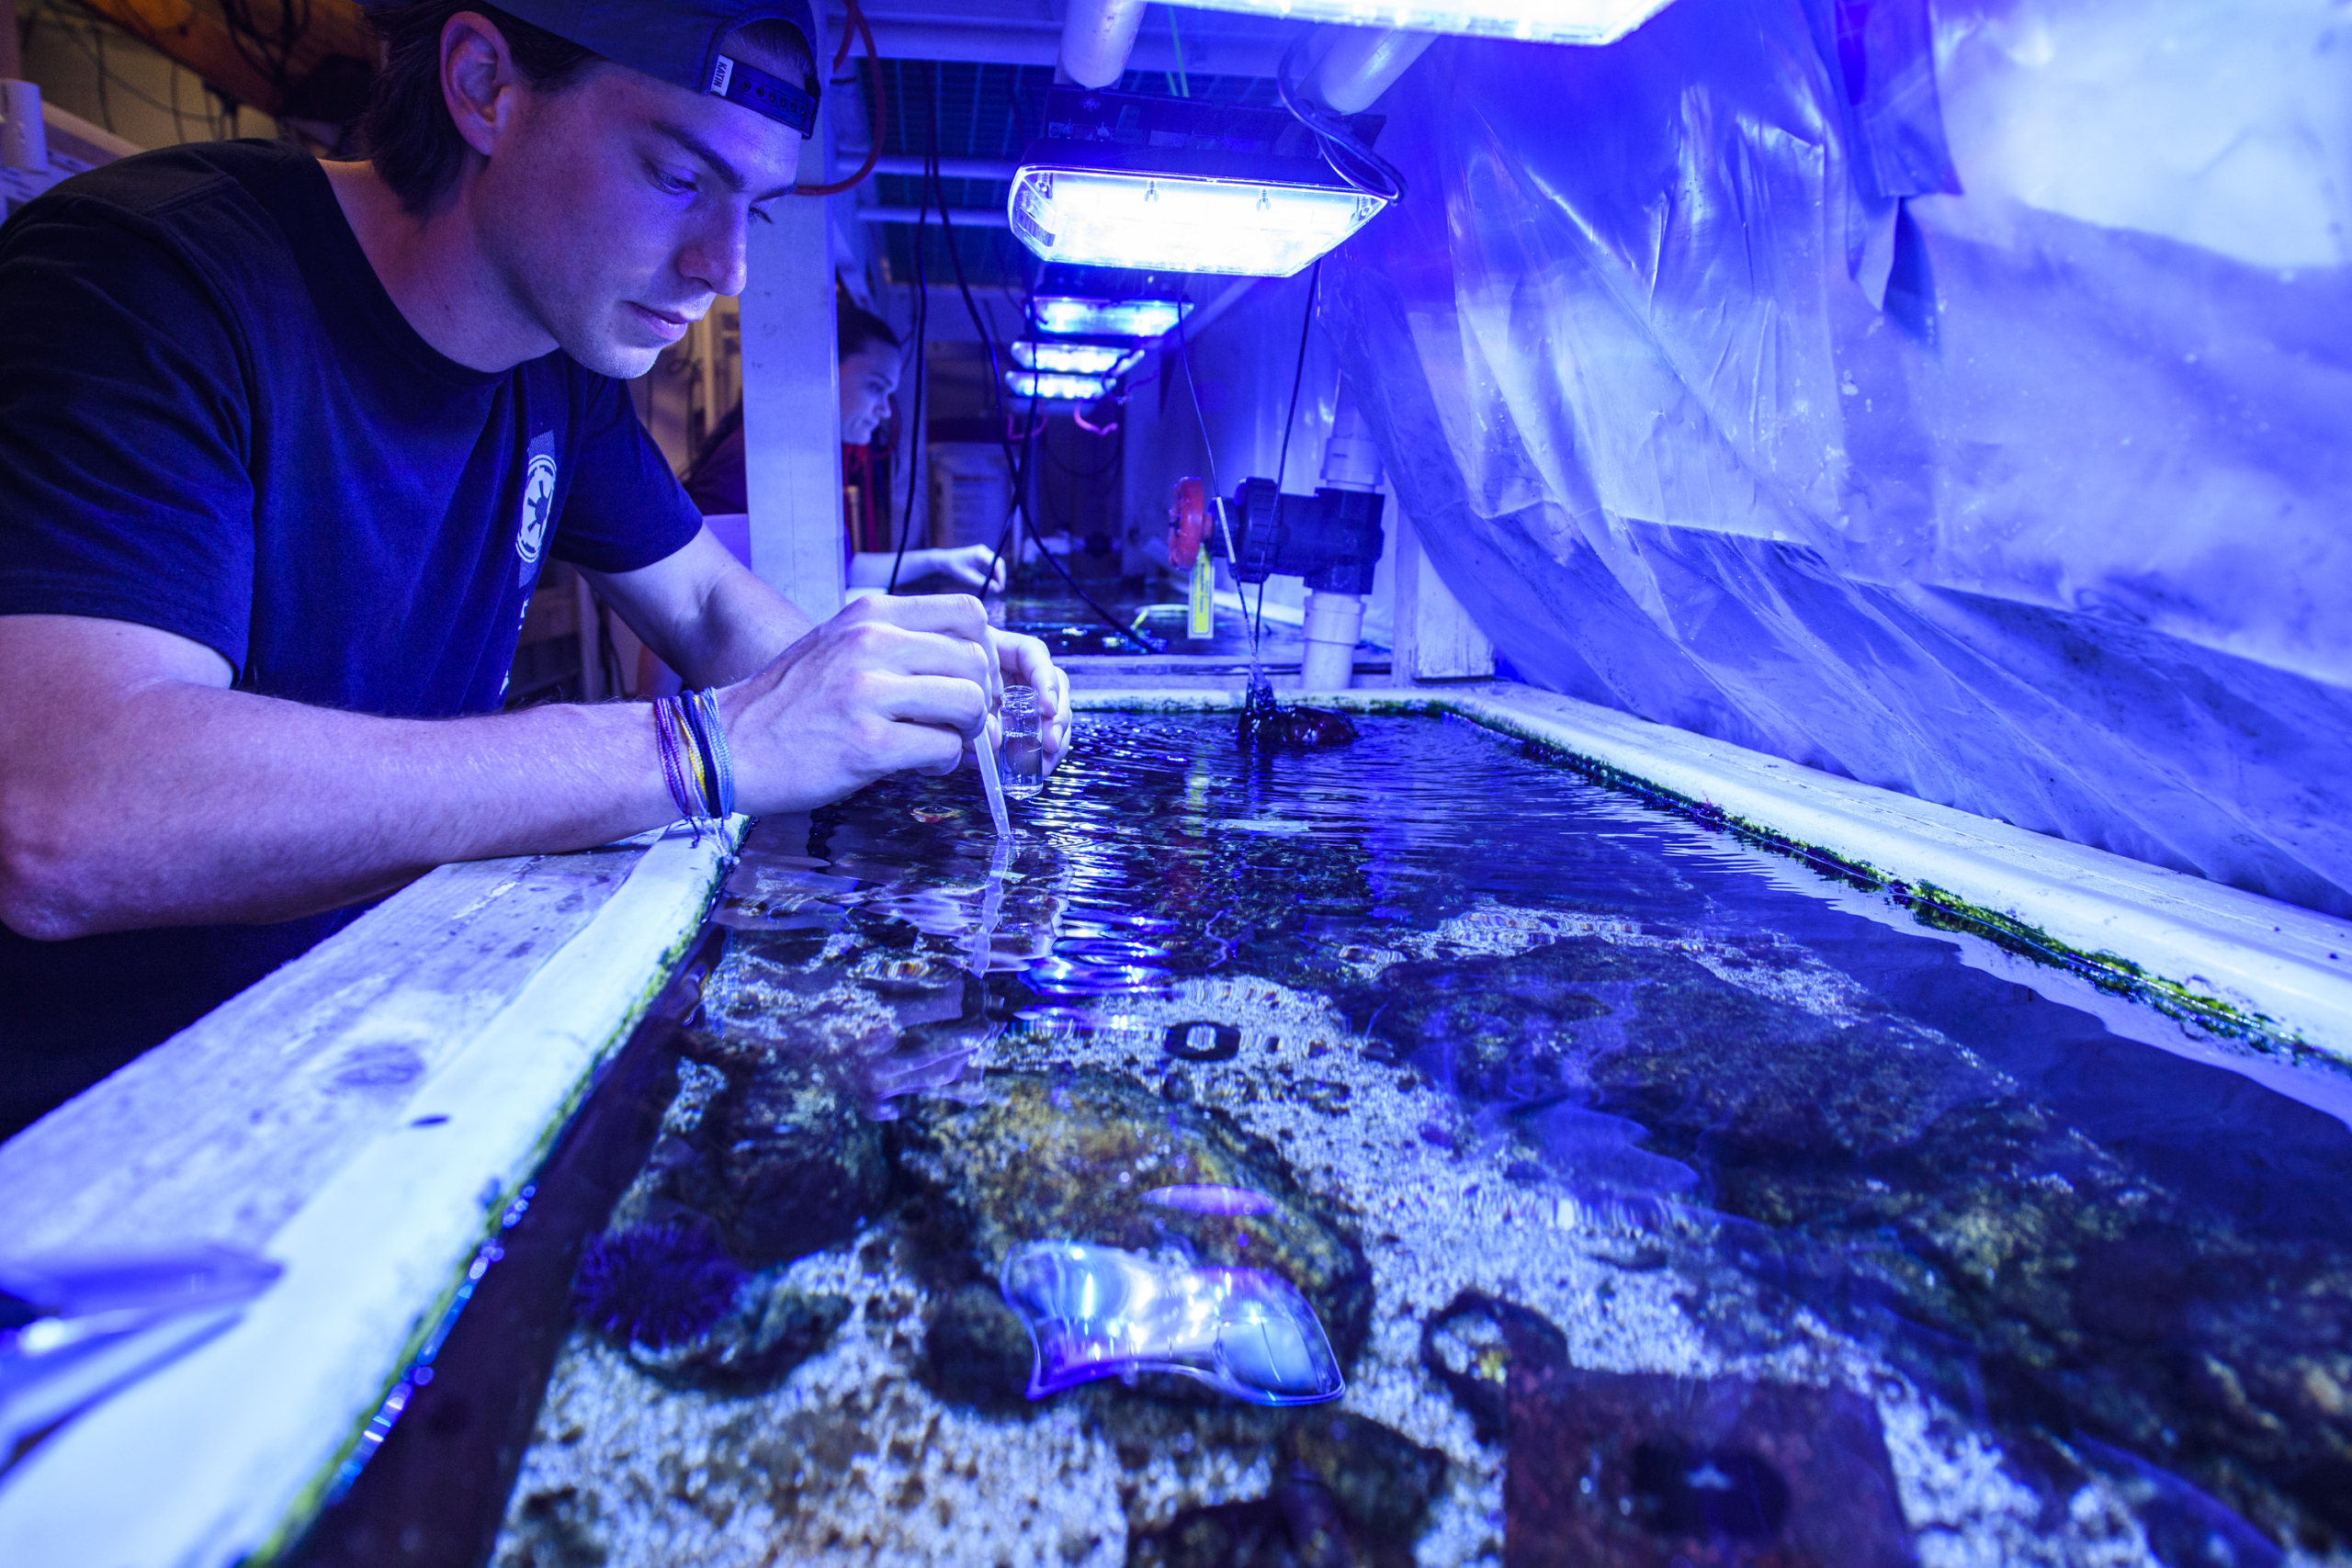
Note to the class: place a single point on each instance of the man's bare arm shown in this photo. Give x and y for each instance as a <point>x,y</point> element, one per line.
<point>137,789</point>
<point>704,612</point>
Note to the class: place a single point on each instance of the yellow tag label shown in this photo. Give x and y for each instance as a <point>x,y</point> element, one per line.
<point>1202,623</point>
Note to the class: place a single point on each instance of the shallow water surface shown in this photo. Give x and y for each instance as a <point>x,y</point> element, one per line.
<point>1414,1152</point>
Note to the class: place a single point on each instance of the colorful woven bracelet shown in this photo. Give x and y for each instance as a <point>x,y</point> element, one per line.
<point>704,705</point>
<point>677,762</point>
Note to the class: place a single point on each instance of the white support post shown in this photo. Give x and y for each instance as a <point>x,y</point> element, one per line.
<point>792,422</point>
<point>1435,638</point>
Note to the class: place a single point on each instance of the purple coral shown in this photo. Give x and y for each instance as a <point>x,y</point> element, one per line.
<point>655,1285</point>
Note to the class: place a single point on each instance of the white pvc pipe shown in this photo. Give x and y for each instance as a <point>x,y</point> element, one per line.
<point>1358,65</point>
<point>24,140</point>
<point>1097,38</point>
<point>1351,461</point>
<point>1334,621</point>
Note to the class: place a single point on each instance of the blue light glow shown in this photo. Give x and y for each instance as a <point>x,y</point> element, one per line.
<point>1108,317</point>
<point>1171,222</point>
<point>1542,21</point>
<point>1111,359</point>
<point>1047,386</point>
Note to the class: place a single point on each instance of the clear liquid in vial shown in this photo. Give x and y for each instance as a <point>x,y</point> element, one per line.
<point>1021,765</point>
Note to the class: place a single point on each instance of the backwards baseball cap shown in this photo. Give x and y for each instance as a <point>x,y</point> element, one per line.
<point>679,41</point>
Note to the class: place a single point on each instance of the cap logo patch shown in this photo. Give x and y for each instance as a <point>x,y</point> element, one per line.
<point>739,82</point>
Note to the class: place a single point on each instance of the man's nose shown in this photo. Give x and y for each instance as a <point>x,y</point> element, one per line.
<point>715,257</point>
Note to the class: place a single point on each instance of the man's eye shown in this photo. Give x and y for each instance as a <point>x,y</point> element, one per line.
<point>762,215</point>
<point>675,185</point>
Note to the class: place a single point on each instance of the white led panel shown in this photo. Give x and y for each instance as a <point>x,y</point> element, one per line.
<point>1076,358</point>
<point>1049,387</point>
<point>1107,318</point>
<point>1158,222</point>
<point>1540,21</point>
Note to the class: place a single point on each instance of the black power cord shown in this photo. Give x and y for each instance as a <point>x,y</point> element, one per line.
<point>917,437</point>
<point>1019,470</point>
<point>1346,153</point>
<point>1290,420</point>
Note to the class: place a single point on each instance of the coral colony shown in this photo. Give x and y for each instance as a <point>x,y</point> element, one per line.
<point>655,1285</point>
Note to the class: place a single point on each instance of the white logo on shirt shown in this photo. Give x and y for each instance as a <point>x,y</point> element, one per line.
<point>539,500</point>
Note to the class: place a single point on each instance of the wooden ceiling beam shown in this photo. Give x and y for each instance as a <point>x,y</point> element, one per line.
<point>199,40</point>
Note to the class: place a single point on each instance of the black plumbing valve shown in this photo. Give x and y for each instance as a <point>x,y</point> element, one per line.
<point>1331,538</point>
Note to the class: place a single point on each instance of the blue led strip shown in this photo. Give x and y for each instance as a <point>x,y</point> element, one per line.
<point>747,84</point>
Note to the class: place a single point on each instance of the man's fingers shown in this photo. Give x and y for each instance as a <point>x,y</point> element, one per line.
<point>943,701</point>
<point>1026,658</point>
<point>951,615</point>
<point>899,652</point>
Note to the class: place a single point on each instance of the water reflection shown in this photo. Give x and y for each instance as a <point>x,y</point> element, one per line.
<point>1736,1221</point>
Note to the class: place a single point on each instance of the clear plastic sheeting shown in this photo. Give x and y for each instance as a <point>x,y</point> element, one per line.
<point>1953,397</point>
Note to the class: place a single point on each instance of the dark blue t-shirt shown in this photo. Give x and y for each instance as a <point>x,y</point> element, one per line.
<point>214,421</point>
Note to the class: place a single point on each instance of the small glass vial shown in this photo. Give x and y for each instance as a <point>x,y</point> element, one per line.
<point>1022,750</point>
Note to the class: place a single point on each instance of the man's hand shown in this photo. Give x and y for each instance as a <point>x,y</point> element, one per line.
<point>977,566</point>
<point>968,564</point>
<point>887,685</point>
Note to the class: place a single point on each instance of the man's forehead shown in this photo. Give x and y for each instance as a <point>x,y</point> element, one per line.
<point>745,150</point>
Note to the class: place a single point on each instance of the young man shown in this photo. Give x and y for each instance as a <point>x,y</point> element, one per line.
<point>283,446</point>
<point>870,358</point>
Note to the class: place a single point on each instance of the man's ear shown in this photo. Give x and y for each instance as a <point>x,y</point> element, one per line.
<point>477,79</point>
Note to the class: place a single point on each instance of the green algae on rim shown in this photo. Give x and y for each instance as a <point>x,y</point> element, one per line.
<point>1934,907</point>
<point>434,1322</point>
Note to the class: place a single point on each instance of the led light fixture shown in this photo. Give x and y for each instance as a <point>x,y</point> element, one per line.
<point>1542,21</point>
<point>1172,184</point>
<point>1183,222</point>
<point>1050,386</point>
<point>1068,315</point>
<point>1106,360</point>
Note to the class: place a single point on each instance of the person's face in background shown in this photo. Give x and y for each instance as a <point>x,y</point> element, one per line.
<point>868,379</point>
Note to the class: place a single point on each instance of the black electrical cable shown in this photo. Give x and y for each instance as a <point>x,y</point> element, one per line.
<point>1019,471</point>
<point>1346,153</point>
<point>915,437</point>
<point>92,44</point>
<point>1215,497</point>
<point>1078,473</point>
<point>106,110</point>
<point>1290,420</point>
<point>917,440</point>
<point>268,50</point>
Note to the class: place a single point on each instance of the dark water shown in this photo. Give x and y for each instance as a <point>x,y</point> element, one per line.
<point>1659,1202</point>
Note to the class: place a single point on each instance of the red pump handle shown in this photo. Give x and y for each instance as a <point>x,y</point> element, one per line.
<point>1188,521</point>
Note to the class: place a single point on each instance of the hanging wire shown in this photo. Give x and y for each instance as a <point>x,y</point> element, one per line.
<point>268,49</point>
<point>105,109</point>
<point>89,34</point>
<point>1290,420</point>
<point>1179,85</point>
<point>1346,153</point>
<point>1216,495</point>
<point>917,439</point>
<point>1018,516</point>
<point>881,117</point>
